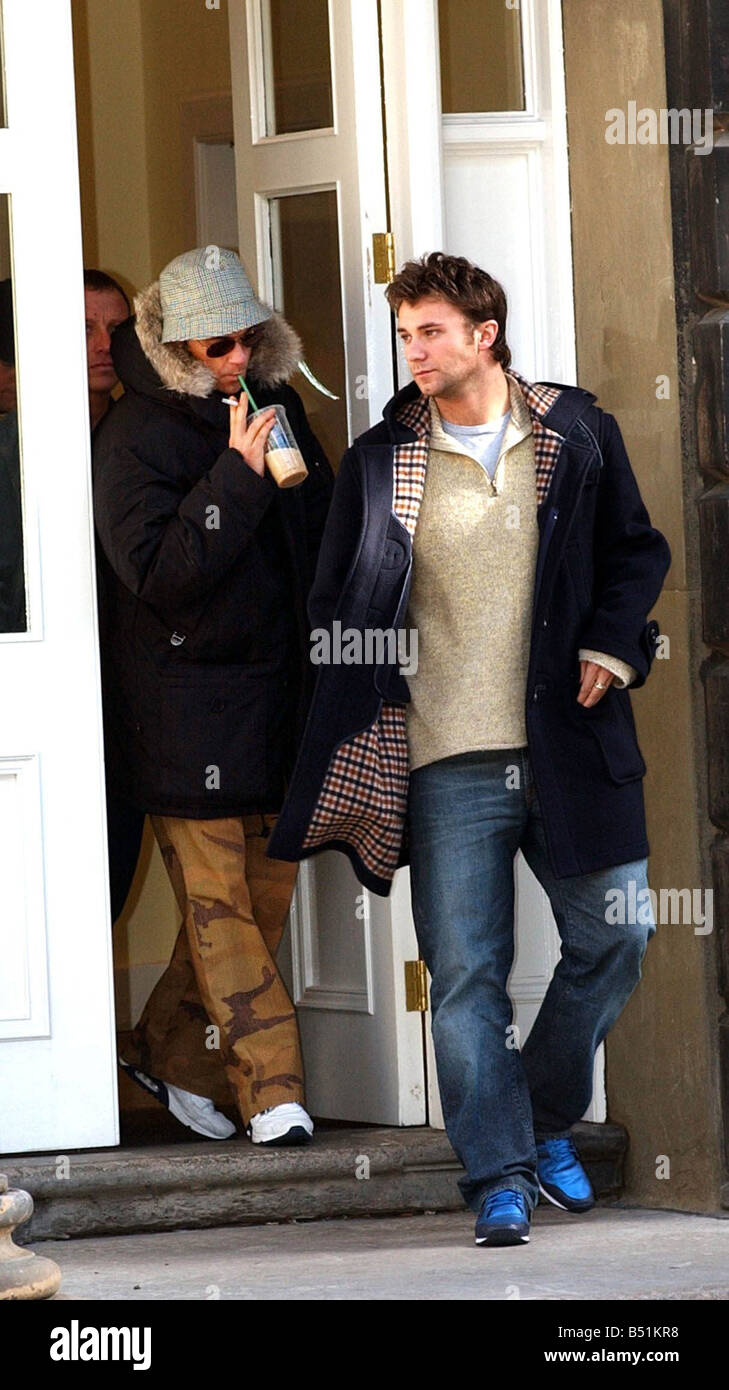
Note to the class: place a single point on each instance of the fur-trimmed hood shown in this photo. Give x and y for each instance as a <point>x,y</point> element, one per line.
<point>148,365</point>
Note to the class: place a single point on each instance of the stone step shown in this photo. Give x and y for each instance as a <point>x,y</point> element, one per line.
<point>345,1172</point>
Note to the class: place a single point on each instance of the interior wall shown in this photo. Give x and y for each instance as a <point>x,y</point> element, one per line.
<point>112,138</point>
<point>186,54</point>
<point>661,1056</point>
<point>136,63</point>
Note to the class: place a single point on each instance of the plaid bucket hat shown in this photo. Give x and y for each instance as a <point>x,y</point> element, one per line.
<point>206,293</point>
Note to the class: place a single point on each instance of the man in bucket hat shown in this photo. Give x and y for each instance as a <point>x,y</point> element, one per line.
<point>205,675</point>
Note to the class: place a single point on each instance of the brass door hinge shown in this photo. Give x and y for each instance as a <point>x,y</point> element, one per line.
<point>416,986</point>
<point>383,257</point>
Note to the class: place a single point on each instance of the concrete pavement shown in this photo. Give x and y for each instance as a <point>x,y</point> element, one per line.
<point>610,1253</point>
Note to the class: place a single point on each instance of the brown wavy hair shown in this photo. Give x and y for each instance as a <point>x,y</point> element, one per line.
<point>470,289</point>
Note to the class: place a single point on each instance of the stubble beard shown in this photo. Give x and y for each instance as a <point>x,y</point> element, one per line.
<point>451,387</point>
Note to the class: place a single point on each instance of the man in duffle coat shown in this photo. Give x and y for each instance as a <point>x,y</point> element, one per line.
<point>500,519</point>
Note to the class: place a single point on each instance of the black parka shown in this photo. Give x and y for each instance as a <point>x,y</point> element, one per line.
<point>204,569</point>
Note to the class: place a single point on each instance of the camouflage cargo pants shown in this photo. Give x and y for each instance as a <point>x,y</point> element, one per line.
<point>234,903</point>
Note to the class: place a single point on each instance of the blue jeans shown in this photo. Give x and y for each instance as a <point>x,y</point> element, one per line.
<point>467,818</point>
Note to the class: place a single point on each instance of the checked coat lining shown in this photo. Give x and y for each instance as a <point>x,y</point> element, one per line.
<point>370,770</point>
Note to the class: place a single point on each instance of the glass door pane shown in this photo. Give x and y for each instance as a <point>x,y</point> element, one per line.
<point>481,65</point>
<point>308,292</point>
<point>297,63</point>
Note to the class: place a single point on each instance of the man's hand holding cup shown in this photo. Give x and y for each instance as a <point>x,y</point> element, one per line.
<point>250,438</point>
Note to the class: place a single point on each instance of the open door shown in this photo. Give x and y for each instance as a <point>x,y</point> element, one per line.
<point>478,166</point>
<point>311,179</point>
<point>57,1045</point>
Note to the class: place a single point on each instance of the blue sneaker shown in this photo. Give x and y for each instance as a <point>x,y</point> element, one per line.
<point>562,1179</point>
<point>503,1218</point>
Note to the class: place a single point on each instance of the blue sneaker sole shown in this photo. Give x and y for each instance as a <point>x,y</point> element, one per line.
<point>503,1236</point>
<point>564,1202</point>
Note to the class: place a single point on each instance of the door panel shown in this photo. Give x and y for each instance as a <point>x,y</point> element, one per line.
<point>24,1004</point>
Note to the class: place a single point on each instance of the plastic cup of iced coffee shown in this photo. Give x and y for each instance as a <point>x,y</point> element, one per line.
<point>282,454</point>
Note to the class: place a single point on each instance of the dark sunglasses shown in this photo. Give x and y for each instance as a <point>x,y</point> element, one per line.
<point>220,347</point>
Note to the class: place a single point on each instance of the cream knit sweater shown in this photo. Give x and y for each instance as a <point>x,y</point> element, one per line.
<point>474,560</point>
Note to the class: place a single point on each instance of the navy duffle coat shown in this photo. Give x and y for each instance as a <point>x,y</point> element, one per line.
<point>600,568</point>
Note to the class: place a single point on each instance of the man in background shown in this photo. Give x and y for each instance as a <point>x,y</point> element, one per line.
<point>106,306</point>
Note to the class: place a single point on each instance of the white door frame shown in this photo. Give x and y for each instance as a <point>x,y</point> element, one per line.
<point>421,144</point>
<point>57,1052</point>
<point>411,69</point>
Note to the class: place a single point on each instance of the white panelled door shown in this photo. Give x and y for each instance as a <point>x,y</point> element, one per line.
<point>310,170</point>
<point>57,1045</point>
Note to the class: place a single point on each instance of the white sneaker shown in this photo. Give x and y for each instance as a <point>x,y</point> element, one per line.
<point>281,1124</point>
<point>197,1112</point>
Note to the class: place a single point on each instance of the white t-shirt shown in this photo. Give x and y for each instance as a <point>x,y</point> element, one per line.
<point>483,441</point>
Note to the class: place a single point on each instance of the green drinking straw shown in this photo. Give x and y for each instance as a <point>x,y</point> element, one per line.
<point>242,381</point>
